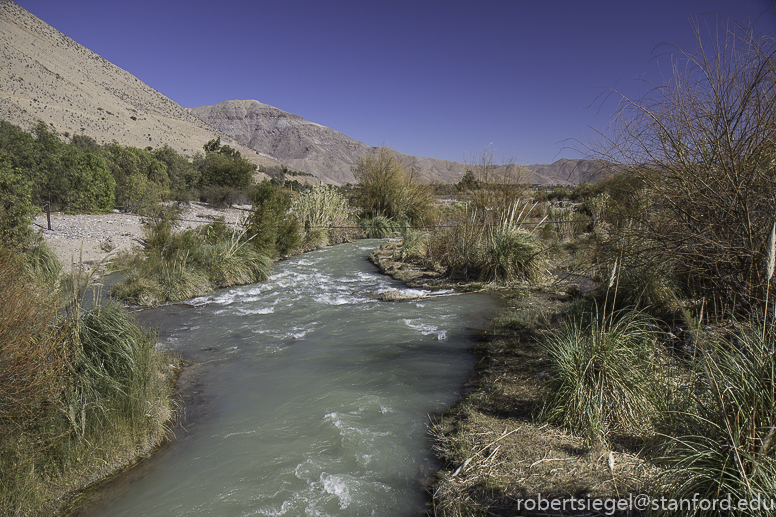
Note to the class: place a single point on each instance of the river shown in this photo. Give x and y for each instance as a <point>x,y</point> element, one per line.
<point>306,395</point>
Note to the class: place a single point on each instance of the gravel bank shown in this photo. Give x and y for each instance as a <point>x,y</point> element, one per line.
<point>92,239</point>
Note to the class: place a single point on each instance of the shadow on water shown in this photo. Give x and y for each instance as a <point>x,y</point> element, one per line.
<point>303,395</point>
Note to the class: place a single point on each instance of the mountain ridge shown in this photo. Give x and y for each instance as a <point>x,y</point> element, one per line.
<point>48,76</point>
<point>45,75</point>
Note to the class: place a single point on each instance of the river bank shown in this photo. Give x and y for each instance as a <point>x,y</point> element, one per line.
<point>498,459</point>
<point>314,393</point>
<point>93,239</point>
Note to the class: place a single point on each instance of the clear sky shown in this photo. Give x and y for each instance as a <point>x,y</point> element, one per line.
<point>436,78</point>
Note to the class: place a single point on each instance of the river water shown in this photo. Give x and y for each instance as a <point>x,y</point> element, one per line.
<point>307,395</point>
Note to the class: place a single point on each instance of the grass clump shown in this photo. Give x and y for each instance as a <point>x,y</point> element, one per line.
<point>474,249</point>
<point>81,391</point>
<point>180,265</point>
<point>378,227</point>
<point>723,432</point>
<point>604,379</point>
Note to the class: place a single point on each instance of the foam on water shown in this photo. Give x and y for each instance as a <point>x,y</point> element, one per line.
<point>426,329</point>
<point>312,396</point>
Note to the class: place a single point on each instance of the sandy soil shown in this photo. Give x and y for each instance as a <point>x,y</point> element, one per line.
<point>94,239</point>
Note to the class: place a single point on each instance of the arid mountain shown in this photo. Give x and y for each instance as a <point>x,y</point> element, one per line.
<point>44,75</point>
<point>329,155</point>
<point>306,146</point>
<point>568,172</point>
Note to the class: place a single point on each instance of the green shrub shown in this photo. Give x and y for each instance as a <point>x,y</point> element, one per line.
<point>223,166</point>
<point>272,229</point>
<point>604,377</point>
<point>387,188</point>
<point>16,208</point>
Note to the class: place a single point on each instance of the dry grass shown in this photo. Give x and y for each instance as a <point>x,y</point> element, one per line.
<point>496,454</point>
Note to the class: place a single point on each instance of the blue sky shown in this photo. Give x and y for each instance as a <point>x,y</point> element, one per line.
<point>426,77</point>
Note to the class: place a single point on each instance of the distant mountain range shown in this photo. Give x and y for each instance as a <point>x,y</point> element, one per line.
<point>44,75</point>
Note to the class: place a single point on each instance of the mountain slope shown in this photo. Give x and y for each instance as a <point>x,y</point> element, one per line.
<point>306,146</point>
<point>329,155</point>
<point>44,75</point>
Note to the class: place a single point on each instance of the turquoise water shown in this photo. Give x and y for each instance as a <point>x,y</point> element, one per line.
<point>306,395</point>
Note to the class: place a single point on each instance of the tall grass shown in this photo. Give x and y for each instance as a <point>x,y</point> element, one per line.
<point>81,391</point>
<point>324,215</point>
<point>723,436</point>
<point>180,265</point>
<point>604,376</point>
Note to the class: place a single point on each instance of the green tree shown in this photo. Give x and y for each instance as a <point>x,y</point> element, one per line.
<point>91,187</point>
<point>224,166</point>
<point>184,177</point>
<point>16,207</point>
<point>272,229</point>
<point>140,177</point>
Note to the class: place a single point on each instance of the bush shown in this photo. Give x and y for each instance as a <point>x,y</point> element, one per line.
<point>604,377</point>
<point>141,179</point>
<point>272,229</point>
<point>387,188</point>
<point>16,208</point>
<point>701,147</point>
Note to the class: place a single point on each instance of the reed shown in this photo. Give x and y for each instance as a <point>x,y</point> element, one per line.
<point>323,214</point>
<point>723,437</point>
<point>604,376</point>
<point>80,390</point>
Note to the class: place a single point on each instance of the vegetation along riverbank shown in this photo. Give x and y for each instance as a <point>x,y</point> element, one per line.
<point>636,353</point>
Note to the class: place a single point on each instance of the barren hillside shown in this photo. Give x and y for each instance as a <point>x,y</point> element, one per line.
<point>44,75</point>
<point>306,146</point>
